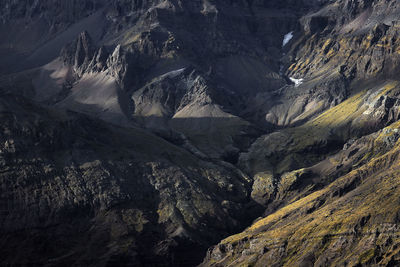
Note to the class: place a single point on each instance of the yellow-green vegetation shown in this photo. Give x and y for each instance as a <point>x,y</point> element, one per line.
<point>357,209</point>
<point>388,131</point>
<point>356,116</point>
<point>367,41</point>
<point>131,37</point>
<point>318,107</point>
<point>340,113</point>
<point>334,118</point>
<point>326,44</point>
<point>316,61</point>
<point>367,255</point>
<point>388,88</point>
<point>288,179</point>
<point>263,186</point>
<point>337,118</point>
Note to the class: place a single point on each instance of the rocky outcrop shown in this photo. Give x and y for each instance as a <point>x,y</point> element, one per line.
<point>369,162</point>
<point>194,112</point>
<point>95,194</point>
<point>286,153</point>
<point>344,218</point>
<point>82,55</point>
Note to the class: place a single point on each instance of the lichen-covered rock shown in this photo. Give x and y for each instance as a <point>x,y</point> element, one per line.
<point>264,187</point>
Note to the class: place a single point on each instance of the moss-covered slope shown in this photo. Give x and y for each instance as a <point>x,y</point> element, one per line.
<point>353,221</point>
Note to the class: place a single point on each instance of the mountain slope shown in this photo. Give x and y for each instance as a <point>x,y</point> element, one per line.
<point>353,221</point>
<point>157,128</point>
<point>98,194</point>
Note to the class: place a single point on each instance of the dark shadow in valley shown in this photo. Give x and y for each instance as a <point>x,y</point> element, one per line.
<point>99,194</point>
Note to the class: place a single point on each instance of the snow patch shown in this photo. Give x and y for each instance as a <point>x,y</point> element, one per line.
<point>173,74</point>
<point>296,82</point>
<point>287,38</point>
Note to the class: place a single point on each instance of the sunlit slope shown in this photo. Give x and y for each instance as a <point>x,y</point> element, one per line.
<point>367,111</point>
<point>352,221</point>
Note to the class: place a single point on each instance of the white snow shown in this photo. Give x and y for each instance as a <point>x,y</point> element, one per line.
<point>287,38</point>
<point>297,82</point>
<point>173,74</point>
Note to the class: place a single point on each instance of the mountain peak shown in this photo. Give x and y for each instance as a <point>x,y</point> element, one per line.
<point>150,132</point>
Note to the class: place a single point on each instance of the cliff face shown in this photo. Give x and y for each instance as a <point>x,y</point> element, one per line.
<point>77,191</point>
<point>143,132</point>
<point>347,55</point>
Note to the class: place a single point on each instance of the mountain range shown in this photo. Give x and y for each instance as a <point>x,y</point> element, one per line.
<point>199,133</point>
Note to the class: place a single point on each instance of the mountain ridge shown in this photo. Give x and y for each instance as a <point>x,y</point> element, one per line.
<point>166,126</point>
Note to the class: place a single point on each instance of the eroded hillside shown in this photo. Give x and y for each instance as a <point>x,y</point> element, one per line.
<point>144,132</point>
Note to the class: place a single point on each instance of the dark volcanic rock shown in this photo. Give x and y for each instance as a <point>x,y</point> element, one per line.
<point>76,191</point>
<point>129,128</point>
<point>80,53</point>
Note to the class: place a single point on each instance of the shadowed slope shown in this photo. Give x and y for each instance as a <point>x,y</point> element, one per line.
<point>352,221</point>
